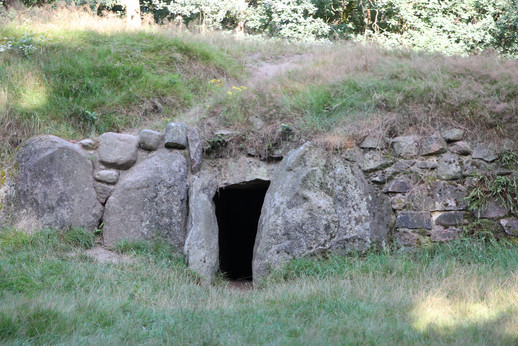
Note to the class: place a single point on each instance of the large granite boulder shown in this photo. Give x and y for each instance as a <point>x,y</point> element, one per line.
<point>54,187</point>
<point>317,202</point>
<point>149,201</point>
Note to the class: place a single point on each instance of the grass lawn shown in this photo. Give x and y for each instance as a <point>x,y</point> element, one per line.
<point>51,292</point>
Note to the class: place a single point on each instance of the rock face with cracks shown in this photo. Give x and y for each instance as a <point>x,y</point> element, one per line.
<point>54,187</point>
<point>149,201</point>
<point>317,203</point>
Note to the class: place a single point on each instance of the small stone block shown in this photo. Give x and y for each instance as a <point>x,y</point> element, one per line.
<point>398,202</point>
<point>195,149</point>
<point>510,226</point>
<point>374,161</point>
<point>88,144</point>
<point>428,164</point>
<point>372,142</point>
<point>103,191</point>
<point>453,135</point>
<point>405,147</point>
<point>433,146</point>
<point>493,209</point>
<point>450,218</point>
<point>449,167</point>
<point>414,220</point>
<point>409,237</point>
<point>442,234</point>
<point>150,140</point>
<point>109,176</point>
<point>175,136</point>
<point>397,186</point>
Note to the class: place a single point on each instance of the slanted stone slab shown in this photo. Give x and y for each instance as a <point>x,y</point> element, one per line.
<point>414,220</point>
<point>175,136</point>
<point>405,147</point>
<point>150,140</point>
<point>195,149</point>
<point>149,201</point>
<point>398,186</point>
<point>118,150</point>
<point>484,152</point>
<point>374,161</point>
<point>433,145</point>
<point>372,142</point>
<point>108,176</point>
<point>510,226</point>
<point>460,148</point>
<point>54,187</point>
<point>453,135</point>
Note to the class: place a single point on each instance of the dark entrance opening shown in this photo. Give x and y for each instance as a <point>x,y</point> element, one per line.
<point>238,208</point>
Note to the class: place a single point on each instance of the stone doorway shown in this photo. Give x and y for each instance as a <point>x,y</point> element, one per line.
<point>238,208</point>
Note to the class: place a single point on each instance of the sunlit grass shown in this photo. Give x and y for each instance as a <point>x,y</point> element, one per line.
<point>52,292</point>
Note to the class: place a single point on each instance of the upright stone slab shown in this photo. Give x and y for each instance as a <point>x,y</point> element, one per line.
<point>201,246</point>
<point>175,136</point>
<point>118,150</point>
<point>54,187</point>
<point>149,201</point>
<point>317,203</point>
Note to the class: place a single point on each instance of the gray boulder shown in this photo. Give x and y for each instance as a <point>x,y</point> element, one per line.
<point>317,203</point>
<point>374,161</point>
<point>149,201</point>
<point>460,148</point>
<point>176,136</point>
<point>118,150</point>
<point>510,226</point>
<point>108,176</point>
<point>150,140</point>
<point>54,187</point>
<point>372,142</point>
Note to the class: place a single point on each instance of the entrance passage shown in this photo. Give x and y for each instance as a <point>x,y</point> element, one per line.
<point>238,208</point>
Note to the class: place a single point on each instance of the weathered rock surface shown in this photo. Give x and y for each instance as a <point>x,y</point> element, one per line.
<point>443,234</point>
<point>149,201</point>
<point>201,245</point>
<point>433,145</point>
<point>374,161</point>
<point>54,187</point>
<point>510,226</point>
<point>460,148</point>
<point>413,220</point>
<point>444,196</point>
<point>195,149</point>
<point>103,191</point>
<point>405,147</point>
<point>372,142</point>
<point>317,203</point>
<point>409,237</point>
<point>88,144</point>
<point>398,186</point>
<point>118,150</point>
<point>492,209</point>
<point>483,152</point>
<point>150,140</point>
<point>449,167</point>
<point>450,218</point>
<point>175,136</point>
<point>108,176</point>
<point>453,135</point>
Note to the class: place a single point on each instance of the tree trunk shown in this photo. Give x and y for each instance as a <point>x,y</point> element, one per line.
<point>133,13</point>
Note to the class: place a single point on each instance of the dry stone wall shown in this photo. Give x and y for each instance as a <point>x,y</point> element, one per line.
<point>409,189</point>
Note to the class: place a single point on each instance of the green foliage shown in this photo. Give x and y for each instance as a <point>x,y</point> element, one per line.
<point>504,189</point>
<point>158,249</point>
<point>291,19</point>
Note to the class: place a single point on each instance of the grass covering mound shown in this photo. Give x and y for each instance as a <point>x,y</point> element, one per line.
<point>73,74</point>
<point>53,292</point>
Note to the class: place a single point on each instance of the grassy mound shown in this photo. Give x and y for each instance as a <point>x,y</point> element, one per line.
<point>75,75</point>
